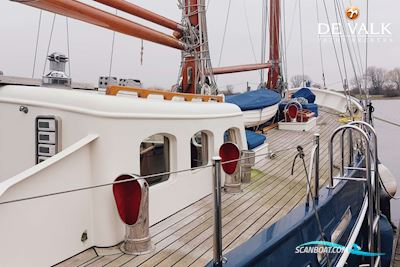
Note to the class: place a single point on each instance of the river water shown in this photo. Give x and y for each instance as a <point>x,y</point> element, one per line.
<point>389,143</point>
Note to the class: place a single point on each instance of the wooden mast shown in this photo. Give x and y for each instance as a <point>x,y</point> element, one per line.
<point>274,71</point>
<point>190,36</point>
<point>189,64</point>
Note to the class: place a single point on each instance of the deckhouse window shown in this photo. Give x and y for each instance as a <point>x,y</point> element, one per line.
<point>230,136</point>
<point>155,158</point>
<point>199,149</point>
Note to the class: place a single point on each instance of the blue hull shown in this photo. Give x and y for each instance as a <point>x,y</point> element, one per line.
<point>276,246</point>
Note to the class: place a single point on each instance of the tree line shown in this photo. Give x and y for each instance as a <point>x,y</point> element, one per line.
<point>379,81</point>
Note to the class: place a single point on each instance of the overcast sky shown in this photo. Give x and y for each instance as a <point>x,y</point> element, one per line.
<point>91,46</point>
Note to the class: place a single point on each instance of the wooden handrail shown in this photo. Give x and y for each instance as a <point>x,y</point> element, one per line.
<point>144,93</point>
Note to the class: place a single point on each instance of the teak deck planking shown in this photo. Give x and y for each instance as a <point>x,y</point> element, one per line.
<point>185,238</point>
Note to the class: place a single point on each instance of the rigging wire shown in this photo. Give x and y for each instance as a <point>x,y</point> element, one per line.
<point>264,26</point>
<point>366,53</point>
<point>48,46</point>
<point>301,42</point>
<point>248,30</point>
<point>37,43</point>
<point>68,46</point>
<point>225,30</point>
<point>345,87</point>
<point>284,41</point>
<point>320,46</point>
<point>387,121</point>
<point>333,43</point>
<point>338,6</point>
<point>357,55</point>
<point>112,52</point>
<point>346,37</point>
<point>292,22</point>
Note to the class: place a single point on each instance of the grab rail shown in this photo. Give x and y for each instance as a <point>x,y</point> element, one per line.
<point>365,130</point>
<point>316,177</point>
<point>7,184</point>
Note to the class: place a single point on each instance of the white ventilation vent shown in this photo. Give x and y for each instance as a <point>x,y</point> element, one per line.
<point>47,137</point>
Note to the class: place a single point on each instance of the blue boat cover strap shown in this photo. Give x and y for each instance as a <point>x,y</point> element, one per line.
<point>254,139</point>
<point>306,93</point>
<point>257,99</point>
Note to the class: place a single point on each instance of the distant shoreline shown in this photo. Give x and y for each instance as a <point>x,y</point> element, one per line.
<point>381,97</point>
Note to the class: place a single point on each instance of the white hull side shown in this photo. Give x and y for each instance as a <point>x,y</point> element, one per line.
<point>257,117</point>
<point>331,99</point>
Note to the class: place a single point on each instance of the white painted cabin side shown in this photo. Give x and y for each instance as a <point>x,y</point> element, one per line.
<point>100,139</point>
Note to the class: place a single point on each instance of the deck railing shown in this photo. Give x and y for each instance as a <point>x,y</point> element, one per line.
<point>368,136</point>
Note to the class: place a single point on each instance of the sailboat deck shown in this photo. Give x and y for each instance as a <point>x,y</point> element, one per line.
<point>185,238</point>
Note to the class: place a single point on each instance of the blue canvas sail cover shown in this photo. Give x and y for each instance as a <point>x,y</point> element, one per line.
<point>306,93</point>
<point>254,139</point>
<point>257,99</point>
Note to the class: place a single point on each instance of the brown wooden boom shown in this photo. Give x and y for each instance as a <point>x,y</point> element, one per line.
<point>92,15</point>
<point>142,13</point>
<point>240,68</point>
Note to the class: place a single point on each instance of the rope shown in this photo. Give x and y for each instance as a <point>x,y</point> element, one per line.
<point>48,46</point>
<point>225,30</point>
<point>37,43</point>
<point>248,30</point>
<point>112,52</point>
<point>142,177</point>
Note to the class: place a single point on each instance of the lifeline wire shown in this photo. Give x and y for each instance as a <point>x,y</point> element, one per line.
<point>140,178</point>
